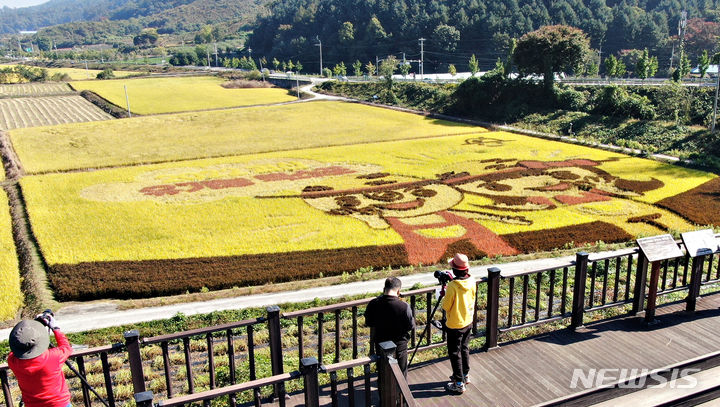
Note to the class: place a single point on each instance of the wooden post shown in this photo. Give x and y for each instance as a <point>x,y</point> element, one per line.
<point>578,308</point>
<point>276,357</point>
<point>695,283</point>
<point>640,282</point>
<point>386,379</point>
<point>6,388</point>
<point>309,368</point>
<point>492,309</point>
<point>144,399</point>
<point>652,293</point>
<point>132,344</point>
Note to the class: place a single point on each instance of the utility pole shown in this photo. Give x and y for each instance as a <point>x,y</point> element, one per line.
<point>319,44</point>
<point>422,57</point>
<point>216,54</point>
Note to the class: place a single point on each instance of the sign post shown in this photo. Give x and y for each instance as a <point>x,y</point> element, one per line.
<point>698,244</point>
<point>656,249</point>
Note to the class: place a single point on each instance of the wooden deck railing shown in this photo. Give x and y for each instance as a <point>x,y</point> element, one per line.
<point>222,360</point>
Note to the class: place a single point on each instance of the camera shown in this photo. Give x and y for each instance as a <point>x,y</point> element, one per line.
<point>44,318</point>
<point>443,276</point>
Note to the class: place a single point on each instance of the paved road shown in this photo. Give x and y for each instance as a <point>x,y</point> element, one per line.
<point>96,315</point>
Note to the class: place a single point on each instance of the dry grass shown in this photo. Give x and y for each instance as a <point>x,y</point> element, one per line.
<point>243,84</point>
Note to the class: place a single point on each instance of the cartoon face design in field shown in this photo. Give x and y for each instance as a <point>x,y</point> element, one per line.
<point>536,185</point>
<point>375,204</point>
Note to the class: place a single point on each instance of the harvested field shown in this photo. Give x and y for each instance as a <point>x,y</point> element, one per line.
<point>180,94</point>
<point>79,74</point>
<point>34,89</point>
<point>18,113</point>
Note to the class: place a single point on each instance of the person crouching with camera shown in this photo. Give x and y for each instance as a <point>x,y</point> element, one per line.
<point>38,369</point>
<point>459,305</point>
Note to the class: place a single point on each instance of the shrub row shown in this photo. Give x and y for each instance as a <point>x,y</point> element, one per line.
<point>110,108</point>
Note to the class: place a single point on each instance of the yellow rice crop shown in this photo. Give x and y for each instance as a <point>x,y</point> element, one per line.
<point>101,216</point>
<point>10,296</point>
<point>79,74</point>
<point>167,95</point>
<point>218,133</point>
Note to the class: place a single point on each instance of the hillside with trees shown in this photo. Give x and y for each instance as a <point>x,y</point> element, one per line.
<point>69,23</point>
<point>454,30</point>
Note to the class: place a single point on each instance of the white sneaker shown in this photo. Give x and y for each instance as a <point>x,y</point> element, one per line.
<point>466,379</point>
<point>456,387</point>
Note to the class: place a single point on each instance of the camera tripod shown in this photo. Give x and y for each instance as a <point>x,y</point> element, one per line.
<point>84,380</point>
<point>428,324</point>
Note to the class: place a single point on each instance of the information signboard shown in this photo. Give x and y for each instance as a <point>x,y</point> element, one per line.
<point>700,242</point>
<point>659,248</point>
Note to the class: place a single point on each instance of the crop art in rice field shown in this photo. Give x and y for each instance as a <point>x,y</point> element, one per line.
<point>335,209</point>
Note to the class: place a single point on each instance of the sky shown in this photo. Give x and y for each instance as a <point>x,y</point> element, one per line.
<point>21,3</point>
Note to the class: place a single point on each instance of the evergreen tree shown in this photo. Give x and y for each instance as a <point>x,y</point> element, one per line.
<point>370,68</point>
<point>703,63</point>
<point>473,65</point>
<point>357,68</point>
<point>642,65</point>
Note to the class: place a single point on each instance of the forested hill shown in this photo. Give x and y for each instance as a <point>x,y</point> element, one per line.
<point>455,29</point>
<point>123,17</point>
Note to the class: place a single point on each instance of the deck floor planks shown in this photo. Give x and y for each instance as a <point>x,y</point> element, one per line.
<point>539,369</point>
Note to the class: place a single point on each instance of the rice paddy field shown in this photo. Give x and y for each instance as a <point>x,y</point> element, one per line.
<point>11,297</point>
<point>180,94</point>
<point>184,136</point>
<point>363,187</point>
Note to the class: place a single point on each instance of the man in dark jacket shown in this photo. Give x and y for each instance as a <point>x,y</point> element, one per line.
<point>392,319</point>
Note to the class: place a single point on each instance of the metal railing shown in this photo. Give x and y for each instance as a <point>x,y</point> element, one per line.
<point>223,360</point>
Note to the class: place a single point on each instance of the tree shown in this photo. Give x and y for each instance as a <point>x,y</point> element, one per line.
<point>340,69</point>
<point>375,33</point>
<point>357,68</point>
<point>184,57</point>
<point>370,68</point>
<point>405,68</point>
<point>610,65</point>
<point>276,63</point>
<point>592,69</point>
<point>206,34</point>
<point>703,63</point>
<point>446,37</point>
<point>549,50</point>
<point>473,65</point>
<point>683,69</point>
<point>106,74</point>
<point>346,34</point>
<point>298,67</point>
<point>387,67</point>
<point>452,70</point>
<point>641,67</point>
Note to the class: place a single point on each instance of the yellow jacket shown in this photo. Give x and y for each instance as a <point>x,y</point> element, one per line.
<point>459,302</point>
